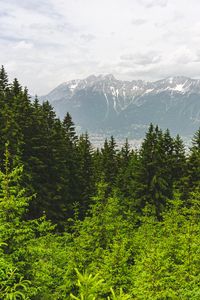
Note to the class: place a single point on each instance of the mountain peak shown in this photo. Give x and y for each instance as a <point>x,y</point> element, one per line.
<point>109,77</point>
<point>101,103</point>
<point>100,77</point>
<point>91,78</point>
<point>178,78</point>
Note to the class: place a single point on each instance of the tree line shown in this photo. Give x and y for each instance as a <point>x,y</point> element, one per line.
<point>123,222</point>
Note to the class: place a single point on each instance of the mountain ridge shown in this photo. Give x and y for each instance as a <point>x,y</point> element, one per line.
<point>105,104</point>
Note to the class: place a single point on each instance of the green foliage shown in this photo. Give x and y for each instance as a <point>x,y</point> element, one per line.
<point>89,288</point>
<point>167,264</point>
<point>88,285</point>
<point>86,184</point>
<point>13,204</point>
<point>192,179</point>
<point>109,161</point>
<point>159,166</point>
<point>102,241</point>
<point>109,209</point>
<point>3,80</point>
<point>121,296</point>
<point>13,288</point>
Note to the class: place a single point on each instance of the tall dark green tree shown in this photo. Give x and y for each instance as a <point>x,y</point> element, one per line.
<point>46,164</point>
<point>153,173</point>
<point>10,128</point>
<point>86,184</point>
<point>71,159</point>
<point>109,162</point>
<point>69,127</point>
<point>3,80</point>
<point>125,155</point>
<point>192,179</point>
<point>179,161</point>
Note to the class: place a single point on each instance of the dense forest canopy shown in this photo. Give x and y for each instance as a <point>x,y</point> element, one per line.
<point>84,223</point>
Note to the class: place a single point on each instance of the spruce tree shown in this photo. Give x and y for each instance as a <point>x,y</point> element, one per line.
<point>15,88</point>
<point>153,174</point>
<point>45,163</point>
<point>179,161</point>
<point>192,180</point>
<point>124,170</point>
<point>71,159</point>
<point>109,162</point>
<point>3,80</point>
<point>86,184</point>
<point>69,127</point>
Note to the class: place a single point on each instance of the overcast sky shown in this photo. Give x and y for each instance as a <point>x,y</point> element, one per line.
<point>46,42</point>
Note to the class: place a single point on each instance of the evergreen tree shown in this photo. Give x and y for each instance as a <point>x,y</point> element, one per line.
<point>97,162</point>
<point>69,127</point>
<point>15,88</point>
<point>3,81</point>
<point>45,163</point>
<point>196,141</point>
<point>71,159</point>
<point>153,173</point>
<point>192,179</point>
<point>86,172</point>
<point>124,175</point>
<point>109,162</point>
<point>179,161</point>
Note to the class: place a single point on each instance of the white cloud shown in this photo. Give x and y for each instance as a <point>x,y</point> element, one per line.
<point>153,3</point>
<point>46,42</point>
<point>138,21</point>
<point>23,45</point>
<point>142,59</point>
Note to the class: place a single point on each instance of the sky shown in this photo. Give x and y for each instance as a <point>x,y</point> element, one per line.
<point>46,42</point>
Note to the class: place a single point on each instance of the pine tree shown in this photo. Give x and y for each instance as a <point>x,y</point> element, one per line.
<point>86,184</point>
<point>10,128</point>
<point>15,88</point>
<point>71,159</point>
<point>196,141</point>
<point>192,180</point>
<point>179,161</point>
<point>45,158</point>
<point>97,162</point>
<point>124,170</point>
<point>109,162</point>
<point>153,172</point>
<point>69,127</point>
<point>3,81</point>
<point>13,206</point>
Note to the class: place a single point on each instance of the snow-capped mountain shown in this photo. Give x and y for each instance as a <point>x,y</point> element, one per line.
<point>104,104</point>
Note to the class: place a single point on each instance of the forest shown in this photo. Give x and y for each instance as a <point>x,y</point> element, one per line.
<point>89,224</point>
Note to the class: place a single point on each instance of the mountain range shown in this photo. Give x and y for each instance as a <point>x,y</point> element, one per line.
<point>104,105</point>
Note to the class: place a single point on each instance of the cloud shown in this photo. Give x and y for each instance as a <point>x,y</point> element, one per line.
<point>23,45</point>
<point>44,7</point>
<point>46,42</point>
<point>153,3</point>
<point>141,58</point>
<point>183,61</point>
<point>9,38</point>
<point>138,22</point>
<point>4,14</point>
<point>87,37</point>
<point>185,56</point>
